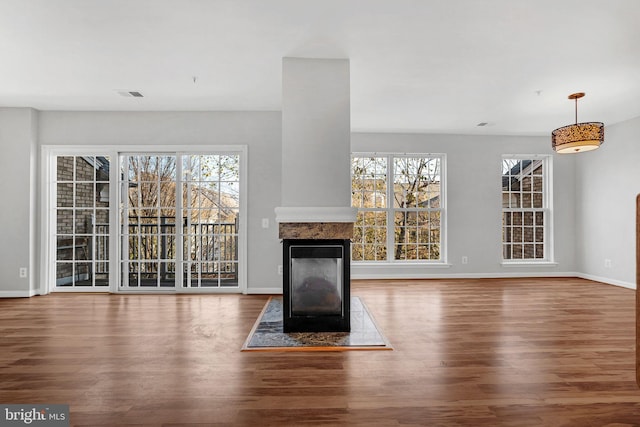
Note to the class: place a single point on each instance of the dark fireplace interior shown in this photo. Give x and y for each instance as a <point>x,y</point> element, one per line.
<point>316,285</point>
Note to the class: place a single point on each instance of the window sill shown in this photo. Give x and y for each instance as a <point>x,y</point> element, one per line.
<point>529,264</point>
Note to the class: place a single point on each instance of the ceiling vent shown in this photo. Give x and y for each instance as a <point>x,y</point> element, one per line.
<point>130,93</point>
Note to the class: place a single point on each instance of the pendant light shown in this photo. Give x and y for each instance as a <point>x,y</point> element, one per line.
<point>578,137</point>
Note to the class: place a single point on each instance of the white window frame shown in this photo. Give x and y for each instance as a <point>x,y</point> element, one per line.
<point>390,211</point>
<point>547,210</point>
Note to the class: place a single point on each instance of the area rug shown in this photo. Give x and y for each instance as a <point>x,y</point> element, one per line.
<point>267,334</point>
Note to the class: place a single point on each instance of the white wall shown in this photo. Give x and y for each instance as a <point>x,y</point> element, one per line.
<point>260,131</point>
<point>594,216</point>
<point>18,185</point>
<point>608,181</point>
<point>473,189</point>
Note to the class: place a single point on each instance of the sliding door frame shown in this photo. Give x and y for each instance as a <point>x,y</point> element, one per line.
<point>49,154</point>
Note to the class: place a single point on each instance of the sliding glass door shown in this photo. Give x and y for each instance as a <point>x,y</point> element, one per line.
<point>142,221</point>
<point>81,237</point>
<point>179,221</point>
<point>147,218</point>
<point>210,212</point>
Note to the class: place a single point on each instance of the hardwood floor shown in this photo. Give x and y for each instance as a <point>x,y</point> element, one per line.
<point>525,352</point>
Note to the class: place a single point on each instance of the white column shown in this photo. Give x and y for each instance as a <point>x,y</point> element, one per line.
<point>316,133</point>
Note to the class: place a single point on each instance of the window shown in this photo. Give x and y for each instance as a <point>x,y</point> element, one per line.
<point>400,205</point>
<point>525,209</point>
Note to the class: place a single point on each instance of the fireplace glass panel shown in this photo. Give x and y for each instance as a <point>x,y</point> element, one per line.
<point>316,287</point>
<point>316,281</point>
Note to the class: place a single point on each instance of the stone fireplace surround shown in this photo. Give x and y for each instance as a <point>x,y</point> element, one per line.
<point>315,222</point>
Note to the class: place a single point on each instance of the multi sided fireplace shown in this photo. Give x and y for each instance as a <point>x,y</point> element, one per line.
<point>316,285</point>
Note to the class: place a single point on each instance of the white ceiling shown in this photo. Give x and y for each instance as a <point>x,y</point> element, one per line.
<point>416,65</point>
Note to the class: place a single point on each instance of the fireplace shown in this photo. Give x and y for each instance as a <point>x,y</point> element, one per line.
<point>316,285</point>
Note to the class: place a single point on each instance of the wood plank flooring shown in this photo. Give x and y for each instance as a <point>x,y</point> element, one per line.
<point>521,352</point>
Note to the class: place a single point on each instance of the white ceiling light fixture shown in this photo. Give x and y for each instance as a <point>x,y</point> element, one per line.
<point>578,137</point>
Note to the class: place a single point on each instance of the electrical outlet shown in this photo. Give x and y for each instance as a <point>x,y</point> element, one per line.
<point>23,272</point>
<point>465,260</point>
<point>265,222</point>
<point>280,270</point>
<point>607,263</point>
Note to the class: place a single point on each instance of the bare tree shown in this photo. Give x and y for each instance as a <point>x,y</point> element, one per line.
<point>416,185</point>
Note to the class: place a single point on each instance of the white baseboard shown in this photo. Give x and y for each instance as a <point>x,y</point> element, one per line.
<point>369,276</point>
<point>606,280</point>
<point>264,291</point>
<point>18,294</point>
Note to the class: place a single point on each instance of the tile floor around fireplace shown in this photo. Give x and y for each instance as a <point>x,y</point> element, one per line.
<point>267,334</point>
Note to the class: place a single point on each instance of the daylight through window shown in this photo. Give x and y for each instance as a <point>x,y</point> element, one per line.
<point>400,207</point>
<point>525,209</point>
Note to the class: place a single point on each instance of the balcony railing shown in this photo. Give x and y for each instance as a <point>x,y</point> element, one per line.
<point>210,248</point>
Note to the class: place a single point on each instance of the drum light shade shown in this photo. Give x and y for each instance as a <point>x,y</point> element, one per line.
<point>578,137</point>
